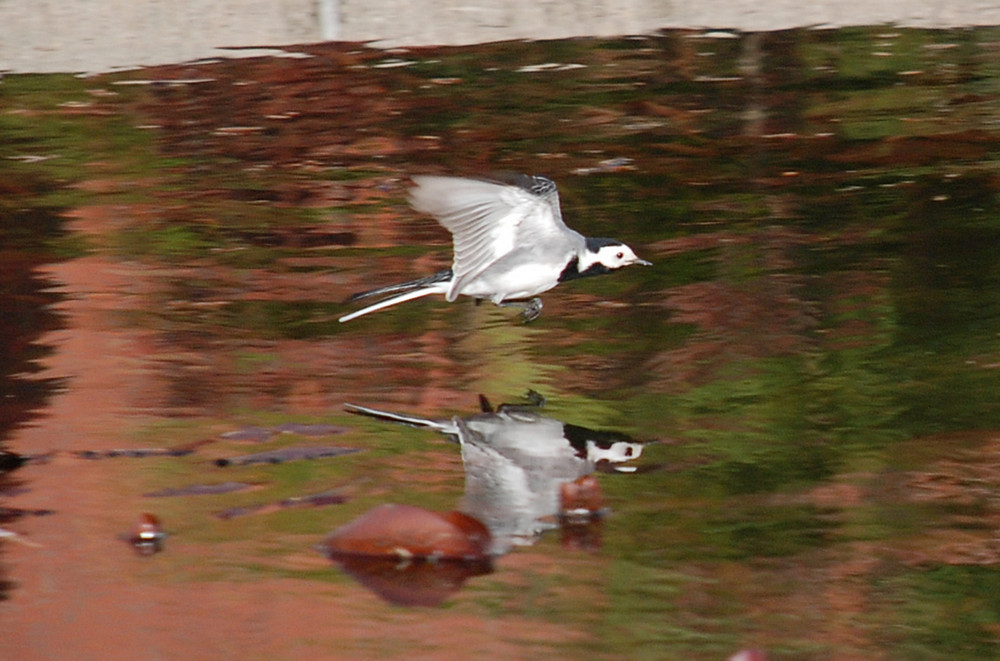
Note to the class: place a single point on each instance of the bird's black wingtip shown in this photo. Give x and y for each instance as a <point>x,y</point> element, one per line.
<point>358,295</point>
<point>535,184</point>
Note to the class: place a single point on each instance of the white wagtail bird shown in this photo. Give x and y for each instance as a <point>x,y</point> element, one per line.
<point>510,243</point>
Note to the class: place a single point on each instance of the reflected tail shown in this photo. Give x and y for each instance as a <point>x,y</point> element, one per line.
<point>444,426</point>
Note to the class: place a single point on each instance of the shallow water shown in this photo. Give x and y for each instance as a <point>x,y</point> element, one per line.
<point>814,350</point>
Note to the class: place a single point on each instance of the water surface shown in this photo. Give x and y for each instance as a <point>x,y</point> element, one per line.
<point>814,350</point>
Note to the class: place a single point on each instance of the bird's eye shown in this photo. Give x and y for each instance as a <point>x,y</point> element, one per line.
<point>620,255</point>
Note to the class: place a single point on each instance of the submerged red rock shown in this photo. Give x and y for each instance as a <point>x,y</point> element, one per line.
<point>147,535</point>
<point>405,531</point>
<point>412,583</point>
<point>581,500</point>
<point>581,508</point>
<point>411,556</point>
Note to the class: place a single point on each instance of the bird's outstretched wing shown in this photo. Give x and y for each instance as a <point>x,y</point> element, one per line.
<point>488,219</point>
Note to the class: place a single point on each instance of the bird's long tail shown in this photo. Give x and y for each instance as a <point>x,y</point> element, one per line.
<point>445,426</point>
<point>432,284</point>
<point>419,283</point>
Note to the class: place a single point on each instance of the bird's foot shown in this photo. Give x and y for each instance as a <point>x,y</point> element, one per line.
<point>532,310</point>
<point>535,398</point>
<point>535,401</point>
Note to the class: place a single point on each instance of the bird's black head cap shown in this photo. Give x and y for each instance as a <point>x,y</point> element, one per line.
<point>596,243</point>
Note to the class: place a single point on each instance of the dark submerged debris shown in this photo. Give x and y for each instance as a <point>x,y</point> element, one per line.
<point>234,512</point>
<point>262,434</point>
<point>138,453</point>
<point>200,490</point>
<point>331,497</point>
<point>287,454</point>
<point>258,434</point>
<point>308,429</point>
<point>11,513</point>
<point>11,460</point>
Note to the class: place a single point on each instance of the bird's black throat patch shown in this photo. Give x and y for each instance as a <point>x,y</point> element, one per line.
<point>572,270</point>
<point>594,245</point>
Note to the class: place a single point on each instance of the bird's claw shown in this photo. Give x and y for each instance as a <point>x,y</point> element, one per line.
<point>532,310</point>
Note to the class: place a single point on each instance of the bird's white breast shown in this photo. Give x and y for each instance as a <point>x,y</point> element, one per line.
<point>512,281</point>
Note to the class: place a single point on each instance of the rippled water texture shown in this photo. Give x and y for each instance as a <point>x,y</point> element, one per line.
<point>807,374</point>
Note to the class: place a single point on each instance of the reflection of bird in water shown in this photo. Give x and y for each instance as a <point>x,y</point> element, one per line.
<point>509,240</point>
<point>515,461</point>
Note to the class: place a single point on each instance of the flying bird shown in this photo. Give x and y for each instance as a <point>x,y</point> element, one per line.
<point>510,244</point>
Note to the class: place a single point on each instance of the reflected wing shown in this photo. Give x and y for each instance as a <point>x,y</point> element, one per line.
<point>488,219</point>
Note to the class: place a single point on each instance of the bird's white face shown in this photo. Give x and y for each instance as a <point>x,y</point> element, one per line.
<point>618,255</point>
<point>616,453</point>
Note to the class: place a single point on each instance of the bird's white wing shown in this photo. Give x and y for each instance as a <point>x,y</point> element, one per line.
<point>489,220</point>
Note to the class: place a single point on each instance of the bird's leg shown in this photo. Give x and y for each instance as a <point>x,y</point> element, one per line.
<point>532,308</point>
<point>535,401</point>
<point>536,398</point>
